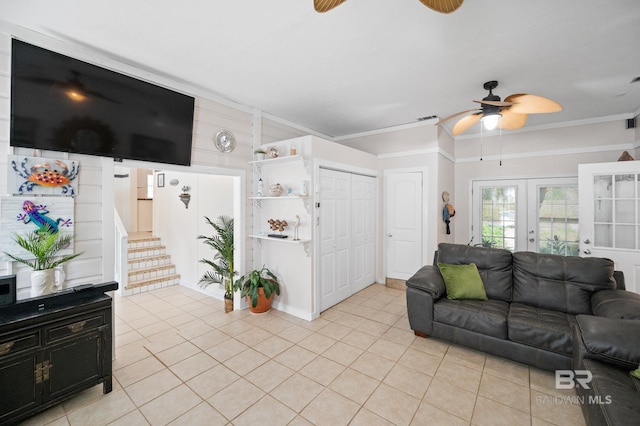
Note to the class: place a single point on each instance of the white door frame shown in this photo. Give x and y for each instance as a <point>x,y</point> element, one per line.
<point>426,216</point>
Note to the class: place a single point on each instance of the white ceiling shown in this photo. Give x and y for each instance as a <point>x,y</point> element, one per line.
<point>368,64</point>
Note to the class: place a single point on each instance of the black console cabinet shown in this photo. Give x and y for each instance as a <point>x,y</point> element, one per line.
<point>52,348</point>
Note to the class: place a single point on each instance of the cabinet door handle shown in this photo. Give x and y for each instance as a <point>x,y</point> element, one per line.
<point>6,347</point>
<point>77,327</point>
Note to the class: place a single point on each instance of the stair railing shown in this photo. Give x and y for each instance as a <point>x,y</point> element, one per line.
<point>122,256</point>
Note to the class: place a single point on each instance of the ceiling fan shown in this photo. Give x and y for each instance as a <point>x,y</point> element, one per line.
<point>509,114</point>
<point>442,6</point>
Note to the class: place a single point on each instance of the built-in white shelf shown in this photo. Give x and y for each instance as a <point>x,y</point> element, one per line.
<point>257,164</point>
<point>305,243</point>
<point>305,199</point>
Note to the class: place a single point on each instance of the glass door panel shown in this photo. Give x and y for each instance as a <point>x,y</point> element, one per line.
<point>555,222</point>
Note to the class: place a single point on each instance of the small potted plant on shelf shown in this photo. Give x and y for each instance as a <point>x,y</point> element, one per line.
<point>259,287</point>
<point>47,275</point>
<point>260,153</point>
<point>222,262</point>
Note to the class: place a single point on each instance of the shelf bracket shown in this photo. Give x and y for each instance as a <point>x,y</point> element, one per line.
<point>307,248</point>
<point>306,161</point>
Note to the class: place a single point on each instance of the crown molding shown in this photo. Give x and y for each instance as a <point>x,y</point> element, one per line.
<point>549,153</point>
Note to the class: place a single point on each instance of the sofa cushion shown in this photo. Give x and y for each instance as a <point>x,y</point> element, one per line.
<point>494,266</point>
<point>616,341</point>
<point>541,328</point>
<point>462,281</point>
<point>618,304</point>
<point>486,317</point>
<point>561,283</point>
<point>615,395</point>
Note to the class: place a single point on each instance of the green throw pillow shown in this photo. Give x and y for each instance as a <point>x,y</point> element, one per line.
<point>462,281</point>
<point>636,372</point>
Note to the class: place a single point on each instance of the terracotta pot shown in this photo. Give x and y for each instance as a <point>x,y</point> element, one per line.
<point>228,305</point>
<point>263,305</point>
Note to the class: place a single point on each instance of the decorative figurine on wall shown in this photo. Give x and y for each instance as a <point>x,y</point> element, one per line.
<point>23,216</point>
<point>447,211</point>
<point>42,176</point>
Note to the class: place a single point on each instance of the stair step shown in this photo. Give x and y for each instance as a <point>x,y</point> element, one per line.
<point>144,242</point>
<point>152,272</point>
<point>145,252</point>
<point>148,262</point>
<point>163,281</point>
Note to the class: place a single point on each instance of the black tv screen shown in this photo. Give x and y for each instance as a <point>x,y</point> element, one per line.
<point>63,104</point>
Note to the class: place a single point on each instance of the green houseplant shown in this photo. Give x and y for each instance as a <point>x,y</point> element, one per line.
<point>222,263</point>
<point>258,286</point>
<point>44,246</point>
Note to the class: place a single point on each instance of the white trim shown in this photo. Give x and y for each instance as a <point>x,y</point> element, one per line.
<point>595,120</point>
<point>415,152</point>
<point>296,126</point>
<point>549,153</point>
<point>389,129</point>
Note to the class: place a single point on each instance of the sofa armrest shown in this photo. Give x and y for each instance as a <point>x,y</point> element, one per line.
<point>614,341</point>
<point>429,279</point>
<point>619,277</point>
<point>617,304</point>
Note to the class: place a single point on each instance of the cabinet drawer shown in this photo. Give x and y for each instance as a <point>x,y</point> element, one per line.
<point>14,343</point>
<point>73,326</point>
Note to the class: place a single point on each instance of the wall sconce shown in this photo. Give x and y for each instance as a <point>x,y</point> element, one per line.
<point>185,197</point>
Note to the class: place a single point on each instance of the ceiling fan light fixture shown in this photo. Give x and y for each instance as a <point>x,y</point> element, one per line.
<point>491,121</point>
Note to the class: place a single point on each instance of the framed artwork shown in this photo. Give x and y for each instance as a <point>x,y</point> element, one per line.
<point>160,180</point>
<point>42,176</point>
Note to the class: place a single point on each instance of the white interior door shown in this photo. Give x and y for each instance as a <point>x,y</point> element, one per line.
<point>610,215</point>
<point>404,217</point>
<point>335,237</point>
<point>363,231</point>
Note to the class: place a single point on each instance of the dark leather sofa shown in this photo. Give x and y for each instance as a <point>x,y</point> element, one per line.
<point>547,311</point>
<point>607,345</point>
<point>533,301</point>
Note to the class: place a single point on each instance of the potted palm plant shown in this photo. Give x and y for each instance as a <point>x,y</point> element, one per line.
<point>258,286</point>
<point>47,274</point>
<point>222,263</point>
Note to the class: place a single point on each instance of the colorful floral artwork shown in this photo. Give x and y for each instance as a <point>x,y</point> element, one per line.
<point>22,215</point>
<point>46,176</point>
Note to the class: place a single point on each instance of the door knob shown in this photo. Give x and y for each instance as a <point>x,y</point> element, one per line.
<point>587,251</point>
<point>586,241</point>
<point>531,240</point>
<point>390,235</point>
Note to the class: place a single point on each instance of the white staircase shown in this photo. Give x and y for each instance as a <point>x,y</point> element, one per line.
<point>148,265</point>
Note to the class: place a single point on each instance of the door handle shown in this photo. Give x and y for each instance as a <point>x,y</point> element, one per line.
<point>587,251</point>
<point>390,235</point>
<point>531,240</point>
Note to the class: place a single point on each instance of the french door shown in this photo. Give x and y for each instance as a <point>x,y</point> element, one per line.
<point>610,215</point>
<point>539,215</point>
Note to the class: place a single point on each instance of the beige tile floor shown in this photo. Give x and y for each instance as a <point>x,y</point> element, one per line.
<point>181,360</point>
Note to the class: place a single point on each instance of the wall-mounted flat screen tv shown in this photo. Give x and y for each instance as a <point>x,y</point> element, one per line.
<point>63,104</point>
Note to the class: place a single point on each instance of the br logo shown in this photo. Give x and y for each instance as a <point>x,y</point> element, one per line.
<point>569,379</point>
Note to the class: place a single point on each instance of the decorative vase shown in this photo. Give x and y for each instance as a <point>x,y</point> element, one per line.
<point>264,303</point>
<point>260,156</point>
<point>185,198</point>
<point>46,281</point>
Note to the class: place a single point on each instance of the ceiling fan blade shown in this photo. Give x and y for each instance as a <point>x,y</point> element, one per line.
<point>532,104</point>
<point>326,5</point>
<point>442,6</point>
<point>496,103</point>
<point>511,120</point>
<point>464,123</point>
<point>455,115</point>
